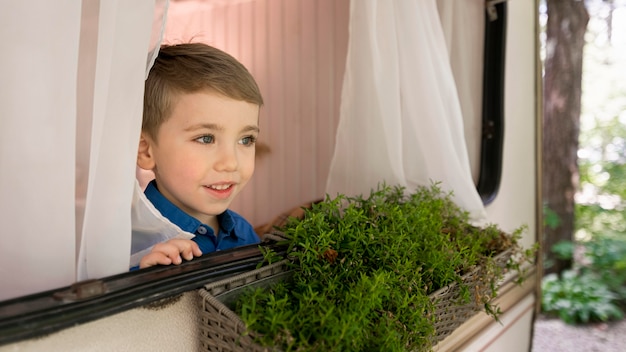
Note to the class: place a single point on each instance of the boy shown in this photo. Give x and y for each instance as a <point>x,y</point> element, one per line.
<point>200,125</point>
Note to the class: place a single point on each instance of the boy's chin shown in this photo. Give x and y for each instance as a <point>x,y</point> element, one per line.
<point>214,211</point>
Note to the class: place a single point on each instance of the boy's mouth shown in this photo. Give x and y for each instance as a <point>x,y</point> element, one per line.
<point>220,187</point>
<point>221,191</point>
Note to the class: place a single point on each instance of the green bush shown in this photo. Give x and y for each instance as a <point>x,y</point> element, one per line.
<point>595,289</point>
<point>607,260</point>
<point>578,298</point>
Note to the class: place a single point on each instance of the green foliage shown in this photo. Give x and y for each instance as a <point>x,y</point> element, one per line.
<point>578,298</point>
<point>269,257</point>
<point>564,250</point>
<point>595,289</point>
<point>607,260</point>
<point>595,221</point>
<point>550,218</point>
<point>363,269</point>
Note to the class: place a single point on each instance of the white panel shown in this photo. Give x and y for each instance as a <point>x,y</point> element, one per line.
<point>515,204</point>
<point>172,325</point>
<point>513,335</point>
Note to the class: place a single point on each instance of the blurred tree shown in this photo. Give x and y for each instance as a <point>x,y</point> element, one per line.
<point>565,38</point>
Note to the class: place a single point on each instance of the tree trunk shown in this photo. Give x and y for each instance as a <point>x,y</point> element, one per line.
<point>565,30</point>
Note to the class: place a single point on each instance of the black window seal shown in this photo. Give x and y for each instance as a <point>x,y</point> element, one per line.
<point>492,138</point>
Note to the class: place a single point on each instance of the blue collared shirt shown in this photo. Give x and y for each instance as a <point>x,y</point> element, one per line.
<point>234,230</point>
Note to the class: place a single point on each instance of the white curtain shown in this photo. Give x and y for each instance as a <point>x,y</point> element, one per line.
<point>463,24</point>
<point>70,116</point>
<point>401,119</point>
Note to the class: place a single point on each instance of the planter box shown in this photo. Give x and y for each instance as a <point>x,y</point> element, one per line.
<point>222,330</point>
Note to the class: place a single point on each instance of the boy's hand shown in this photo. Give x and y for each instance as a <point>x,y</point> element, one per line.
<point>170,252</point>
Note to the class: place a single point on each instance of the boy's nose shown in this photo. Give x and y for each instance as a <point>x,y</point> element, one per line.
<point>227,160</point>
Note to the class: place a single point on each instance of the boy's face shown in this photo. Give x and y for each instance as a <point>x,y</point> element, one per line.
<point>204,153</point>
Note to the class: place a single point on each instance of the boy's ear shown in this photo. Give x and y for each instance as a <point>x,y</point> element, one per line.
<point>144,153</point>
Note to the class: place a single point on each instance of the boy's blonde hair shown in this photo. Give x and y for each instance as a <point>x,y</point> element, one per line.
<point>190,68</point>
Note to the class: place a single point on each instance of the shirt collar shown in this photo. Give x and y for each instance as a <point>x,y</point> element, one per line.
<point>183,220</point>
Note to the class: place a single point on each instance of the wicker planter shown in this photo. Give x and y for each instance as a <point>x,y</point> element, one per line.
<point>222,330</point>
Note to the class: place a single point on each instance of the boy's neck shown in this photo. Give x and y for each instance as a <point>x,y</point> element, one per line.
<point>215,225</point>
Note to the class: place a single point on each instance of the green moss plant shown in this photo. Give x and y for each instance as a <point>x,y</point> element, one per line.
<point>363,270</point>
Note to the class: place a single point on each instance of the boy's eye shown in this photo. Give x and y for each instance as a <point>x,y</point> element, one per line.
<point>248,140</point>
<point>208,139</point>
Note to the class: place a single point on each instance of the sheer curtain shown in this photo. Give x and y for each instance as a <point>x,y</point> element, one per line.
<point>401,119</point>
<point>70,116</point>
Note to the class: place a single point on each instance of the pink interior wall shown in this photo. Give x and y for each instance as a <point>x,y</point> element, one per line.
<point>296,49</point>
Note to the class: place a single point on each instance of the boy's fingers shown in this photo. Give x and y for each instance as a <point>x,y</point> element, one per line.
<point>169,249</point>
<point>187,248</point>
<point>177,259</point>
<point>153,259</point>
<point>171,252</point>
<point>196,249</point>
<point>187,254</point>
<point>192,251</point>
<point>163,260</point>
